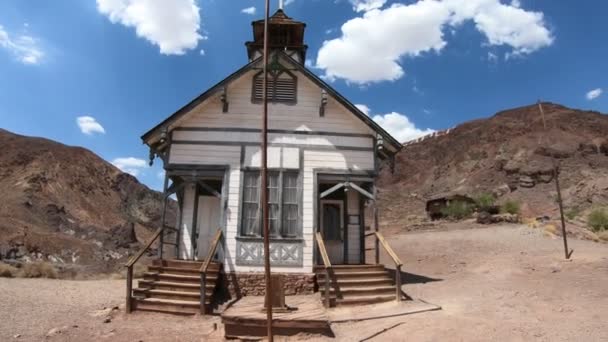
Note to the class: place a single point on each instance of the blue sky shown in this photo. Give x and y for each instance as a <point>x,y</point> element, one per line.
<point>99,73</point>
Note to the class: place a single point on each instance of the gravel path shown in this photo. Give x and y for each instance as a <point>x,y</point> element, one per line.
<point>507,283</point>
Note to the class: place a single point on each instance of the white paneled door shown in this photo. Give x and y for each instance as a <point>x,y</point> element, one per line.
<point>208,221</point>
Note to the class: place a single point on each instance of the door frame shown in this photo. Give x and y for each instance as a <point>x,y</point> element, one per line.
<point>185,173</point>
<point>343,218</point>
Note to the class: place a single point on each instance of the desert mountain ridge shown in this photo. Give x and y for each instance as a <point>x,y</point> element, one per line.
<point>67,205</point>
<point>510,155</point>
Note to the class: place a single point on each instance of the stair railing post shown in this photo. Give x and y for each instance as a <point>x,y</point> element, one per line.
<point>203,292</point>
<point>398,282</point>
<point>129,288</point>
<point>377,241</point>
<point>327,299</point>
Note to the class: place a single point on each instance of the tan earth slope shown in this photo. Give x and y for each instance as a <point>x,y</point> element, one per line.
<point>67,205</point>
<point>510,155</point>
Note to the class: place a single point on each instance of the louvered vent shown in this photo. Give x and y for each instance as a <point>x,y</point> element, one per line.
<point>281,88</point>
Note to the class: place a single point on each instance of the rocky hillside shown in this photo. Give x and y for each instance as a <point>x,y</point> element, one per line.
<point>510,155</point>
<point>67,205</point>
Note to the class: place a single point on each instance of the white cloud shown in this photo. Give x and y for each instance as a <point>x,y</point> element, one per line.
<point>24,47</point>
<point>89,125</point>
<point>366,5</point>
<point>383,37</point>
<point>202,52</point>
<point>249,10</point>
<point>594,94</point>
<point>492,57</point>
<point>171,25</point>
<point>400,127</point>
<point>130,165</point>
<point>365,109</point>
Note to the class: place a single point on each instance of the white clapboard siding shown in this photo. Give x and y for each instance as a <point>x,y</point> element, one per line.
<point>304,115</point>
<point>306,140</point>
<point>204,154</point>
<point>278,157</point>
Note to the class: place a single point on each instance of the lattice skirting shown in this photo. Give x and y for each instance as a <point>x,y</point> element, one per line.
<point>282,253</point>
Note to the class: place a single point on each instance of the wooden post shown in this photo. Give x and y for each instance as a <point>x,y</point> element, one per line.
<point>398,282</point>
<point>203,292</point>
<point>162,217</point>
<point>377,242</point>
<point>264,176</point>
<point>567,253</point>
<point>129,289</point>
<point>561,212</point>
<point>327,299</point>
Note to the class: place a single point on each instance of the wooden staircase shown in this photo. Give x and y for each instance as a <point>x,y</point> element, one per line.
<point>174,286</point>
<point>357,284</point>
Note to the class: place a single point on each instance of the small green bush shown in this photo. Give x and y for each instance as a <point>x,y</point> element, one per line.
<point>38,269</point>
<point>457,210</point>
<point>572,213</point>
<point>485,202</point>
<point>511,207</point>
<point>598,220</point>
<point>7,271</point>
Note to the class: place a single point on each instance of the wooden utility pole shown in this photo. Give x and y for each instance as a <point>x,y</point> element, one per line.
<point>567,253</point>
<point>264,176</point>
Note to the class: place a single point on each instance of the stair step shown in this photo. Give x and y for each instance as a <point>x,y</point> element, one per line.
<point>178,278</point>
<point>376,281</point>
<point>365,267</point>
<point>173,295</point>
<point>357,300</point>
<point>183,263</point>
<point>359,274</point>
<point>167,305</point>
<point>182,270</point>
<point>180,287</point>
<point>363,290</point>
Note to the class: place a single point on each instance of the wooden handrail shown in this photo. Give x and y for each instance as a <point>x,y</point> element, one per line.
<point>134,259</point>
<point>216,239</point>
<point>396,260</point>
<point>327,264</point>
<point>388,249</point>
<point>205,267</point>
<point>322,250</point>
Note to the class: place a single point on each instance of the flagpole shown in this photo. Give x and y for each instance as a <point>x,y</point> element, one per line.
<point>264,176</point>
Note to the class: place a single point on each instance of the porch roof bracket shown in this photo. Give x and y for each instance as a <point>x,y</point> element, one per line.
<point>332,189</point>
<point>210,189</point>
<point>175,187</point>
<point>362,191</point>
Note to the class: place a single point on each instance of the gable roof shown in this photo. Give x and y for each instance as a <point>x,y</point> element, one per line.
<point>299,67</point>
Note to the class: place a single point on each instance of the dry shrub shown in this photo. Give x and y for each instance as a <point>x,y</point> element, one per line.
<point>511,207</point>
<point>550,228</point>
<point>603,235</point>
<point>7,271</point>
<point>598,220</point>
<point>38,269</point>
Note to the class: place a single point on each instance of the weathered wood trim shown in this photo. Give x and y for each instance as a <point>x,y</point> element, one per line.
<point>194,235</point>
<point>271,131</point>
<point>309,147</point>
<point>361,230</point>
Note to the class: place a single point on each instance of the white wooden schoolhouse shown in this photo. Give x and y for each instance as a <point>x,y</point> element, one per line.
<point>324,156</point>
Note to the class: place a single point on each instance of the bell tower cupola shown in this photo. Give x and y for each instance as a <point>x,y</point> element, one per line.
<point>284,34</point>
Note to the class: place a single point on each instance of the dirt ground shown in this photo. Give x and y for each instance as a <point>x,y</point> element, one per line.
<point>502,283</point>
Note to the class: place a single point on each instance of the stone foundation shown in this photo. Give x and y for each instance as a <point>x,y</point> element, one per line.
<point>253,284</point>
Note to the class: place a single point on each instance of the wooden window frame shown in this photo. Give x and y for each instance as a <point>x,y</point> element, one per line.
<point>282,231</point>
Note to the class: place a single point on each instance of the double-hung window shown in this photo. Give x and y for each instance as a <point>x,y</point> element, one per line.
<point>283,204</point>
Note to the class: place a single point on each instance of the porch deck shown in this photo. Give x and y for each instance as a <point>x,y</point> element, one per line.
<point>247,318</point>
